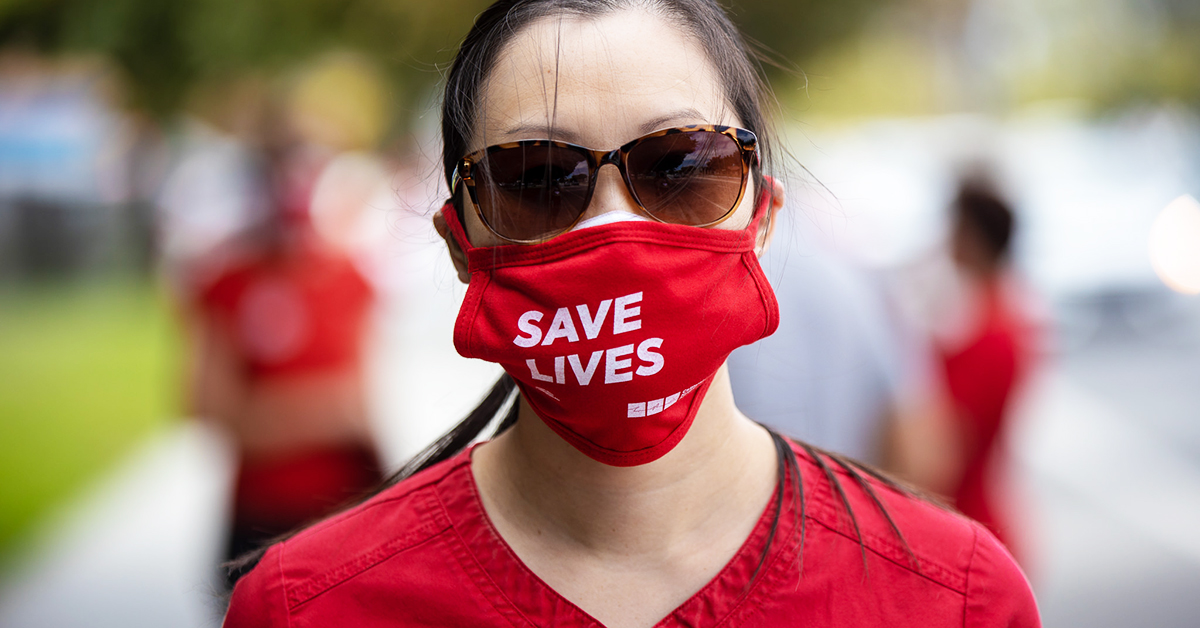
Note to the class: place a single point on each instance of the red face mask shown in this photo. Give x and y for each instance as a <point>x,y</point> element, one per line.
<point>613,333</point>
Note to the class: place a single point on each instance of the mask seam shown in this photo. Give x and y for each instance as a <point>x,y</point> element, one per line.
<point>765,293</point>
<point>473,299</point>
<point>486,258</point>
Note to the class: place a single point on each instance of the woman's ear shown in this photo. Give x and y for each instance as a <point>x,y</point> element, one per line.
<point>776,204</point>
<point>456,252</point>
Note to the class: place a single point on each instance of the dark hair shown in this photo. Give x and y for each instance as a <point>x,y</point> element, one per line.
<point>740,72</point>
<point>737,65</point>
<point>980,208</point>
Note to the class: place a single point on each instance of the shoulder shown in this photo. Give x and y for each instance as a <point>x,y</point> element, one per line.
<point>928,545</point>
<point>340,549</point>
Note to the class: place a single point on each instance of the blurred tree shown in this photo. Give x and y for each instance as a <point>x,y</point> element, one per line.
<point>166,47</point>
<point>141,36</point>
<point>793,30</point>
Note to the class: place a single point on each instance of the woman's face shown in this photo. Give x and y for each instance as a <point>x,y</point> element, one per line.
<point>600,83</point>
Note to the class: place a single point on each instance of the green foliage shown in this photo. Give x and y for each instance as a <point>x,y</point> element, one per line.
<point>166,46</point>
<point>794,30</point>
<point>1110,52</point>
<point>87,372</point>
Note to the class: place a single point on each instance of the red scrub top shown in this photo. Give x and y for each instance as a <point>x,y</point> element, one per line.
<point>294,314</point>
<point>981,375</point>
<point>423,553</point>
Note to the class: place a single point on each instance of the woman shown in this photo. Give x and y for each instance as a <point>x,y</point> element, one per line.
<point>278,327</point>
<point>985,364</point>
<point>624,487</point>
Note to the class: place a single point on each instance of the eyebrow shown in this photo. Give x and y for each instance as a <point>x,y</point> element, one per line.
<point>543,131</point>
<point>689,114</point>
<point>539,132</point>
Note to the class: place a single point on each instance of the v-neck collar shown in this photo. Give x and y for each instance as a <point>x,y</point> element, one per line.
<point>526,600</point>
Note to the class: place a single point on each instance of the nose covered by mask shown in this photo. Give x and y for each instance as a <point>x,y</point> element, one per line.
<point>614,332</point>
<point>608,218</point>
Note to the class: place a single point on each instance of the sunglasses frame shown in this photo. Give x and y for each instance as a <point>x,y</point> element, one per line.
<point>746,140</point>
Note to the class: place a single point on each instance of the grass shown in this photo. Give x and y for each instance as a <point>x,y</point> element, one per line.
<point>86,372</point>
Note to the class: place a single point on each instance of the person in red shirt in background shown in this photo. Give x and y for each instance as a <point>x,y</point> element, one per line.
<point>984,366</point>
<point>278,331</point>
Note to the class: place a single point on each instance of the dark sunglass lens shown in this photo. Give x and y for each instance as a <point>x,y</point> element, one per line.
<point>534,191</point>
<point>690,178</point>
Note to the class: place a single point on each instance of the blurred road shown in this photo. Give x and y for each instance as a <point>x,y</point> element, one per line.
<point>139,550</point>
<point>1108,454</point>
<point>1109,451</point>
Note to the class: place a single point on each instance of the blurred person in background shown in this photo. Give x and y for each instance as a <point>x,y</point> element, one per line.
<point>983,341</point>
<point>834,372</point>
<point>279,319</point>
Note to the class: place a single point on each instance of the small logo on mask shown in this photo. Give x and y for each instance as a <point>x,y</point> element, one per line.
<point>651,408</point>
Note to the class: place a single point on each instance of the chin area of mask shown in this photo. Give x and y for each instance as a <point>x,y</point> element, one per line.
<point>608,218</point>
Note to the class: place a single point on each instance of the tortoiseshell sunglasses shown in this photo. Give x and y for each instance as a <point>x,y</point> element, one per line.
<point>532,190</point>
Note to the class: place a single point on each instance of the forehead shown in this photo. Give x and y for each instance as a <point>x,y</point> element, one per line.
<point>599,82</point>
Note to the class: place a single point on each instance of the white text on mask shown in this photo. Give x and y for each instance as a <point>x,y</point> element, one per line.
<point>618,361</point>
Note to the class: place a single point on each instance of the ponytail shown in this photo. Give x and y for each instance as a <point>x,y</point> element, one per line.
<point>467,431</point>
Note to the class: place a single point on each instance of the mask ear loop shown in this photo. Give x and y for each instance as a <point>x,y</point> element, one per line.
<point>765,196</point>
<point>760,223</point>
<point>450,213</point>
